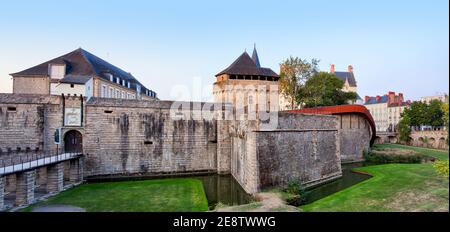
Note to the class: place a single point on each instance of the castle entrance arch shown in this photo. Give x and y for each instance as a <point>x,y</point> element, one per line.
<point>73,142</point>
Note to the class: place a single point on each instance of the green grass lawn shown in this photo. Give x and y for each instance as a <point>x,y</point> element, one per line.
<point>393,187</point>
<point>164,195</point>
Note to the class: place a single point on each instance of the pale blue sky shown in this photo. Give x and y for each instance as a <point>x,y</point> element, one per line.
<point>400,45</point>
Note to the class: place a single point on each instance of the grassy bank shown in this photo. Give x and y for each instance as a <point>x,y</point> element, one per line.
<point>165,195</point>
<point>394,187</point>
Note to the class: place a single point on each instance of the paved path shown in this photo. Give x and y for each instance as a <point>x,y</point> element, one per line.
<point>58,208</point>
<point>269,202</point>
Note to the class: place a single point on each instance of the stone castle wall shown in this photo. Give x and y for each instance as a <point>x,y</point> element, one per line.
<point>355,135</point>
<point>24,122</point>
<point>143,137</point>
<point>303,147</point>
<point>140,137</point>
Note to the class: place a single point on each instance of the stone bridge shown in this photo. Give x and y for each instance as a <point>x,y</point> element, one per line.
<point>25,179</point>
<point>430,139</point>
<point>386,137</point>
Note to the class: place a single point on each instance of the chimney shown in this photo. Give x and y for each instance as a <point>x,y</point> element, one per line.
<point>350,68</point>
<point>332,69</point>
<point>378,98</point>
<point>400,98</point>
<point>391,98</point>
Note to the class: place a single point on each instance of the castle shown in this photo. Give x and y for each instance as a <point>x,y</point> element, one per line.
<point>140,136</point>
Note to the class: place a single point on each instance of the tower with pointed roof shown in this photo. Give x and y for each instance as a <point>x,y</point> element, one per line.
<point>243,81</point>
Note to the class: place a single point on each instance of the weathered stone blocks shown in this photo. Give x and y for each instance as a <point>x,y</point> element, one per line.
<point>55,177</point>
<point>25,187</point>
<point>76,172</point>
<point>2,193</point>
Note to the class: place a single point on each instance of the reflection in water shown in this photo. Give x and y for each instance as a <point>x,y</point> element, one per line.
<point>223,189</point>
<point>348,179</point>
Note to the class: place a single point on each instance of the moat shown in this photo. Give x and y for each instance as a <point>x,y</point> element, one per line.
<point>224,189</point>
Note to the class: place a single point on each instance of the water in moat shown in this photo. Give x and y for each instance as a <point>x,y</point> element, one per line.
<point>349,178</point>
<point>224,189</point>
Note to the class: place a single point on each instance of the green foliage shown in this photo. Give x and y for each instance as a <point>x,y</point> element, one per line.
<point>420,113</point>
<point>445,118</point>
<point>383,158</point>
<point>324,89</point>
<point>435,113</point>
<point>404,128</point>
<point>293,75</point>
<point>297,192</point>
<point>441,168</point>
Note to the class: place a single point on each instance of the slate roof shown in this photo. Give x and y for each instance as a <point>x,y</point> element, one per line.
<point>81,64</point>
<point>75,79</point>
<point>373,100</point>
<point>244,65</point>
<point>255,57</point>
<point>347,75</point>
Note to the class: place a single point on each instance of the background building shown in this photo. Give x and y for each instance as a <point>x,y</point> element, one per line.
<point>350,84</point>
<point>428,99</point>
<point>80,73</point>
<point>386,110</point>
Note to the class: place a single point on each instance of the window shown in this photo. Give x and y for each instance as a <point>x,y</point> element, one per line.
<point>103,91</point>
<point>118,80</point>
<point>111,78</point>
<point>123,82</point>
<point>72,86</point>
<point>129,85</point>
<point>123,94</point>
<point>111,92</point>
<point>129,96</point>
<point>57,71</point>
<point>117,93</point>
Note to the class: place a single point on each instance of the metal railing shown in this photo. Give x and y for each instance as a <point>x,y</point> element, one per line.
<point>30,161</point>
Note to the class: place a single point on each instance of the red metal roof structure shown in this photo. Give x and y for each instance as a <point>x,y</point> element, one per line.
<point>340,110</point>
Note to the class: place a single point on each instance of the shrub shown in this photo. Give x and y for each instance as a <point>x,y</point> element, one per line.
<point>297,192</point>
<point>396,156</point>
<point>441,168</point>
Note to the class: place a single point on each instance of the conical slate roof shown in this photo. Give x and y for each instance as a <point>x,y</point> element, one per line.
<point>255,57</point>
<point>244,65</point>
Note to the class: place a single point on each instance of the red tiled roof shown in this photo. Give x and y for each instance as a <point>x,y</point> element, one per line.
<point>342,109</point>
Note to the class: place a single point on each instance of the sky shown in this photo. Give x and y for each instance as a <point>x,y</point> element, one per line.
<point>400,45</point>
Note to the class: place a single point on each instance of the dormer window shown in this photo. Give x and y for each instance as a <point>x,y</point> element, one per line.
<point>123,82</point>
<point>57,71</point>
<point>118,80</point>
<point>129,85</point>
<point>110,76</point>
<point>138,89</point>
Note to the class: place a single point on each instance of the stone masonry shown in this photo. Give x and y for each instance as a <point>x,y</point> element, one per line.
<point>25,187</point>
<point>55,178</point>
<point>2,193</point>
<point>75,171</point>
<point>128,137</point>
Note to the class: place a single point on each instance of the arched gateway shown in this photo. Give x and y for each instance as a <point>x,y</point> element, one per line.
<point>73,142</point>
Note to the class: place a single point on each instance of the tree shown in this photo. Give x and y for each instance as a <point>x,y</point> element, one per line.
<point>417,113</point>
<point>445,116</point>
<point>324,89</point>
<point>404,128</point>
<point>435,113</point>
<point>293,75</point>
